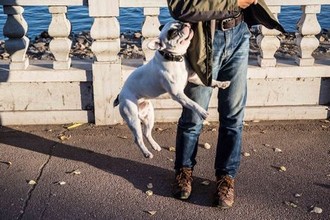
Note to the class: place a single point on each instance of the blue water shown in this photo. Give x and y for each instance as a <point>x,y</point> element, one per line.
<point>131,19</point>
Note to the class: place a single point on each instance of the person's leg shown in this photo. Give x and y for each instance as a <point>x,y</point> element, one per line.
<point>232,100</point>
<point>231,110</point>
<point>189,128</point>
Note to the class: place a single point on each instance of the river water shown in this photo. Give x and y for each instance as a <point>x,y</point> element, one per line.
<point>131,19</point>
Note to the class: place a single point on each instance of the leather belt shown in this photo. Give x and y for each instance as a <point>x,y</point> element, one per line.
<point>230,22</point>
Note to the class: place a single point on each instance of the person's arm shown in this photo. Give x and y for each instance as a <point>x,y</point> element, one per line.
<point>204,10</point>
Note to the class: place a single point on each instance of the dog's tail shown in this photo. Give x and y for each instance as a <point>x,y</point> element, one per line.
<point>116,102</point>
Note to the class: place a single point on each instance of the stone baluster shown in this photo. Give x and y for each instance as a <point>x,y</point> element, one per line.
<point>150,30</point>
<point>268,42</point>
<point>308,26</point>
<point>107,77</point>
<point>15,29</point>
<point>59,29</point>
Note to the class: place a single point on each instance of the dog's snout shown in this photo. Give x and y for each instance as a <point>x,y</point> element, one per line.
<point>187,25</point>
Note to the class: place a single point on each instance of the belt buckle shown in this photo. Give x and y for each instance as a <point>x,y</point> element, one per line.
<point>222,23</point>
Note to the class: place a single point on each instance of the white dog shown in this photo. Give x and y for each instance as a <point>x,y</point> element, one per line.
<point>166,72</point>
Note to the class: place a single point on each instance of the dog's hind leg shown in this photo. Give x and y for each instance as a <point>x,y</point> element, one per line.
<point>129,111</point>
<point>147,116</point>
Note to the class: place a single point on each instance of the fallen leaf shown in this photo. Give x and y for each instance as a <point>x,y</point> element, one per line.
<point>74,172</point>
<point>292,204</point>
<point>32,182</point>
<point>206,123</point>
<point>246,154</point>
<point>64,137</point>
<point>7,163</point>
<point>170,159</point>
<point>282,168</point>
<point>277,150</point>
<point>61,183</point>
<point>122,137</point>
<point>205,182</point>
<point>171,149</point>
<point>151,212</point>
<point>297,195</point>
<point>72,126</point>
<point>149,193</point>
<point>207,146</point>
<point>317,210</point>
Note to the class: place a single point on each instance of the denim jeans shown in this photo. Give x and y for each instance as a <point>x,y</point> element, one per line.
<point>230,62</point>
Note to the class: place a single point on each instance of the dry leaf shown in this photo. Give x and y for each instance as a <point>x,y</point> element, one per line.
<point>297,195</point>
<point>74,172</point>
<point>72,126</point>
<point>292,204</point>
<point>205,183</point>
<point>61,183</point>
<point>277,150</point>
<point>246,154</point>
<point>64,137</point>
<point>32,182</point>
<point>150,186</point>
<point>122,137</point>
<point>207,146</point>
<point>317,210</point>
<point>282,168</point>
<point>206,123</point>
<point>151,212</point>
<point>149,193</point>
<point>7,163</point>
<point>171,149</point>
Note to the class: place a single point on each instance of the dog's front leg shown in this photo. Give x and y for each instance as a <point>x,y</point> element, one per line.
<point>188,103</point>
<point>194,78</point>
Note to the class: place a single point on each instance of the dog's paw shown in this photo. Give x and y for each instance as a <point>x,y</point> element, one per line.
<point>157,148</point>
<point>220,84</point>
<point>148,155</point>
<point>203,114</point>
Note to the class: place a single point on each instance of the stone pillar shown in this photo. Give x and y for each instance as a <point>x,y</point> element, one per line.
<point>107,77</point>
<point>15,29</point>
<point>150,30</point>
<point>308,26</point>
<point>59,29</point>
<point>268,42</point>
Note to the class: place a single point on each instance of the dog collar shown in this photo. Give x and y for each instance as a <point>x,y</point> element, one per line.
<point>171,57</point>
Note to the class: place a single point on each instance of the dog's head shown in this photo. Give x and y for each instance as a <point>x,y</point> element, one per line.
<point>174,37</point>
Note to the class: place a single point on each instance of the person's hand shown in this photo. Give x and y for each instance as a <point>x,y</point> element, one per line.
<point>245,3</point>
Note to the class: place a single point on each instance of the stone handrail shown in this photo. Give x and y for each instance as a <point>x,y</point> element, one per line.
<point>105,32</point>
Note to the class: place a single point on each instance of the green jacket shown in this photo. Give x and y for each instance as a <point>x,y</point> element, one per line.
<point>200,13</point>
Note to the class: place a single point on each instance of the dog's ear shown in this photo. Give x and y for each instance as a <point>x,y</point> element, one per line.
<point>155,44</point>
<point>161,27</point>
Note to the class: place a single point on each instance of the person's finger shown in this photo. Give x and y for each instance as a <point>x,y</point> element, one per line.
<point>255,2</point>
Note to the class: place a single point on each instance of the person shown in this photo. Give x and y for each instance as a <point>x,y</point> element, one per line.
<point>219,50</point>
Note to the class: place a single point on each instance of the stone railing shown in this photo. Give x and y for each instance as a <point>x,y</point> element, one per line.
<point>97,86</point>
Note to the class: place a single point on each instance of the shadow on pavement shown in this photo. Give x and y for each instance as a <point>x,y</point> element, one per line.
<point>138,172</point>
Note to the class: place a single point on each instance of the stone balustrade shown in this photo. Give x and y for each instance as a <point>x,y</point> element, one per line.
<point>108,72</point>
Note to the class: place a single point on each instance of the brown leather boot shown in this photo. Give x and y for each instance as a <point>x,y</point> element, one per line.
<point>182,184</point>
<point>224,196</point>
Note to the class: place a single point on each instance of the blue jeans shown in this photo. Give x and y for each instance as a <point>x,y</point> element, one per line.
<point>230,62</point>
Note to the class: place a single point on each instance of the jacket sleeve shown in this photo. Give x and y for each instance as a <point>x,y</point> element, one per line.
<point>199,10</point>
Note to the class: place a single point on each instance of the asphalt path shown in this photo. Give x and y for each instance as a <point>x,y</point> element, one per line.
<point>97,172</point>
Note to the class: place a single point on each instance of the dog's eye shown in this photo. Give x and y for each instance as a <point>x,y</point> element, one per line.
<point>172,34</point>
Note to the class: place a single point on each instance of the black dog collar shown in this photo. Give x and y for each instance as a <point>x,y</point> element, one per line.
<point>171,57</point>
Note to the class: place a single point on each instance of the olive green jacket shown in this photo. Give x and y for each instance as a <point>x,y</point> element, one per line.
<point>201,13</point>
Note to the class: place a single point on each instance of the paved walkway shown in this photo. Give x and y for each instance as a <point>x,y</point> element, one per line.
<point>98,173</point>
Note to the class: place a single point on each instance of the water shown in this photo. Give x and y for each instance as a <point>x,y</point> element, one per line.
<point>131,19</point>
